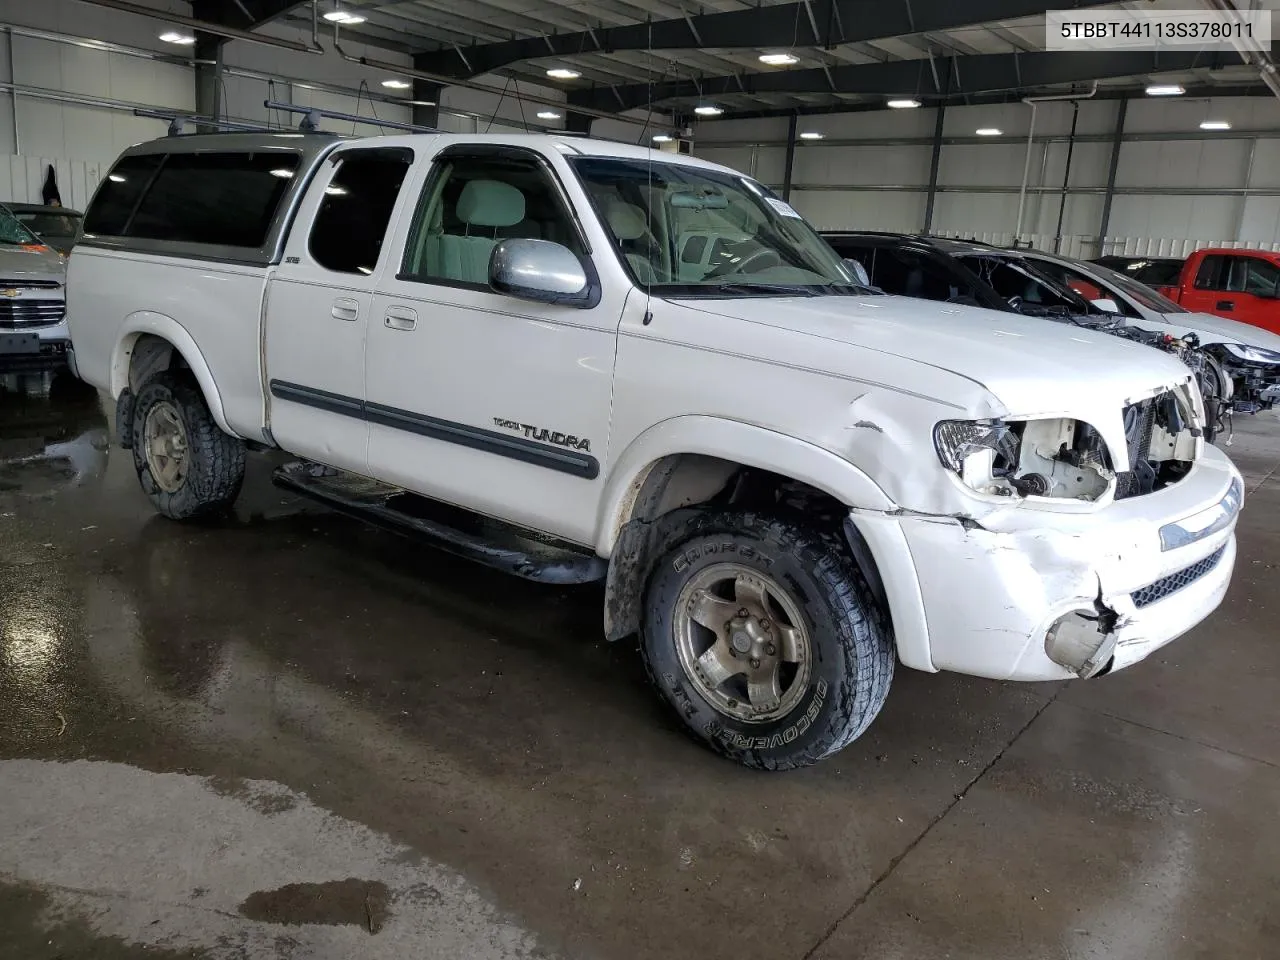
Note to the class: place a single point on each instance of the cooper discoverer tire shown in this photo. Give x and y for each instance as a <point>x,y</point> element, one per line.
<point>765,639</point>
<point>186,464</point>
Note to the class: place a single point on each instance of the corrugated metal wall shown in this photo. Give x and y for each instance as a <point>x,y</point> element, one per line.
<point>21,179</point>
<point>1176,187</point>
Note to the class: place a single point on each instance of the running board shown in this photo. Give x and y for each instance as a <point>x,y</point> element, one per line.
<point>505,547</point>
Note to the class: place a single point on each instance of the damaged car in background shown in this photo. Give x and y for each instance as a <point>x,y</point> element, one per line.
<point>977,274</point>
<point>1246,358</point>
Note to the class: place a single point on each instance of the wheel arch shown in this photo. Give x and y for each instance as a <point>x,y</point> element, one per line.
<point>151,342</point>
<point>691,460</point>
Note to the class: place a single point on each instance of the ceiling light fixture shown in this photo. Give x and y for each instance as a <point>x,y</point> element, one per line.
<point>708,110</point>
<point>811,135</point>
<point>1166,90</point>
<point>396,84</point>
<point>903,104</point>
<point>563,73</point>
<point>1216,125</point>
<point>181,39</point>
<point>548,115</point>
<point>345,17</point>
<point>988,131</point>
<point>778,59</point>
<point>662,138</point>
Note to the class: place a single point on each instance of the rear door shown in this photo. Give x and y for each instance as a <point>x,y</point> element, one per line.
<point>318,305</point>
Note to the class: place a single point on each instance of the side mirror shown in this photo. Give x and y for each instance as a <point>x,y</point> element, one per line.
<point>541,270</point>
<point>1106,305</point>
<point>859,272</point>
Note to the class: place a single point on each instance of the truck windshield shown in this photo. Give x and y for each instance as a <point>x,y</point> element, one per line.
<point>14,234</point>
<point>686,231</point>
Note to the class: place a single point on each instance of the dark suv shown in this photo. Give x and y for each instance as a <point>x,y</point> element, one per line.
<point>961,271</point>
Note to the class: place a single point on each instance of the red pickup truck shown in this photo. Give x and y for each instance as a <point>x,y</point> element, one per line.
<point>1241,285</point>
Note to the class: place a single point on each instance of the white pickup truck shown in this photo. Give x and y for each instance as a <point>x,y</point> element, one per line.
<point>579,360</point>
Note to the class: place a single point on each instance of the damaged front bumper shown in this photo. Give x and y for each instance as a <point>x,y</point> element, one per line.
<point>1036,594</point>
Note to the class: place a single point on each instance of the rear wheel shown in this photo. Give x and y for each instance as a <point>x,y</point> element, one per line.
<point>764,638</point>
<point>186,464</point>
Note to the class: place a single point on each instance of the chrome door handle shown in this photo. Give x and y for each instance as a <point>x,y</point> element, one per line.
<point>344,308</point>
<point>400,318</point>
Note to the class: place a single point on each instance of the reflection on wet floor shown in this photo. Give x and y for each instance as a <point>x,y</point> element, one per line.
<point>284,702</point>
<point>53,432</point>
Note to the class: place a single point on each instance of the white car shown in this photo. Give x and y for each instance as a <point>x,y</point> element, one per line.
<point>578,360</point>
<point>1248,355</point>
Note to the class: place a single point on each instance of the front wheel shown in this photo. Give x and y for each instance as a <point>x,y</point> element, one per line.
<point>186,464</point>
<point>765,639</point>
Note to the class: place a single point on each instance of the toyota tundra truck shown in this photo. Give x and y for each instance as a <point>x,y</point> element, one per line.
<point>579,361</point>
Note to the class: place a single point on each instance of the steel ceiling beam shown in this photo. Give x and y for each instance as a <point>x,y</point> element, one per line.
<point>810,23</point>
<point>246,14</point>
<point>980,74</point>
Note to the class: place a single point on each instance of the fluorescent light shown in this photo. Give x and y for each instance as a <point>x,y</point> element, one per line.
<point>811,135</point>
<point>988,131</point>
<point>344,16</point>
<point>1166,90</point>
<point>284,173</point>
<point>902,104</point>
<point>1216,125</point>
<point>778,59</point>
<point>548,115</point>
<point>333,191</point>
<point>395,84</point>
<point>708,110</point>
<point>181,39</point>
<point>115,178</point>
<point>563,73</point>
<point>662,138</point>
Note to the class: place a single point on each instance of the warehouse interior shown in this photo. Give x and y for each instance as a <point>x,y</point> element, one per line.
<point>280,732</point>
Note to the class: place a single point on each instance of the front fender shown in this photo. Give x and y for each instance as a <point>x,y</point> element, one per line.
<point>735,441</point>
<point>166,328</point>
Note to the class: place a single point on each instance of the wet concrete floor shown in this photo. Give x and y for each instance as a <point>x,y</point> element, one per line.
<point>285,735</point>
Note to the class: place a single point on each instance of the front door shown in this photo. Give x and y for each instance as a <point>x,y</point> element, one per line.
<point>319,302</point>
<point>493,403</point>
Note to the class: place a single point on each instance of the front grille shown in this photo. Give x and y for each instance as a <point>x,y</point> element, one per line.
<point>29,284</point>
<point>21,314</point>
<point>1165,586</point>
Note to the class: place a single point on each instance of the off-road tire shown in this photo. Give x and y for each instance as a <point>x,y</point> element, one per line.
<point>852,650</point>
<point>215,459</point>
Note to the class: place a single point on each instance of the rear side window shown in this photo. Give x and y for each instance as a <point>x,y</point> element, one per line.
<point>352,220</point>
<point>223,199</point>
<point>117,196</point>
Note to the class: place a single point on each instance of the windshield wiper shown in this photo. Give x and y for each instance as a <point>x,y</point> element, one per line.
<point>753,286</point>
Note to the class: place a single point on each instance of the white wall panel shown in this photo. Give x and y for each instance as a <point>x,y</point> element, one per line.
<point>861,209</point>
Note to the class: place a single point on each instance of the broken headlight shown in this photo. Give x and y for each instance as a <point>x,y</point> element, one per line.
<point>1028,458</point>
<point>1250,354</point>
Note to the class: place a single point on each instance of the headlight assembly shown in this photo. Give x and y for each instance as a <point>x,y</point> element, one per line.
<point>1027,458</point>
<point>1242,351</point>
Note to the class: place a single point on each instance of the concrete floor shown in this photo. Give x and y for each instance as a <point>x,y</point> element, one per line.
<point>290,736</point>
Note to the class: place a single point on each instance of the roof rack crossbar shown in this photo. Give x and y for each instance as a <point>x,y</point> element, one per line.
<point>179,121</point>
<point>312,116</point>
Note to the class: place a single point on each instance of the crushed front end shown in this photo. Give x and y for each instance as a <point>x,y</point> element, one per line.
<point>1086,547</point>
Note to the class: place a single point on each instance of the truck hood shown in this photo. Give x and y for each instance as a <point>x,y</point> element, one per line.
<point>31,263</point>
<point>1031,365</point>
<point>1213,329</point>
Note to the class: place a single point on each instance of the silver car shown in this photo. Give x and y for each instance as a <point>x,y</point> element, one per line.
<point>33,304</point>
<point>1248,355</point>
